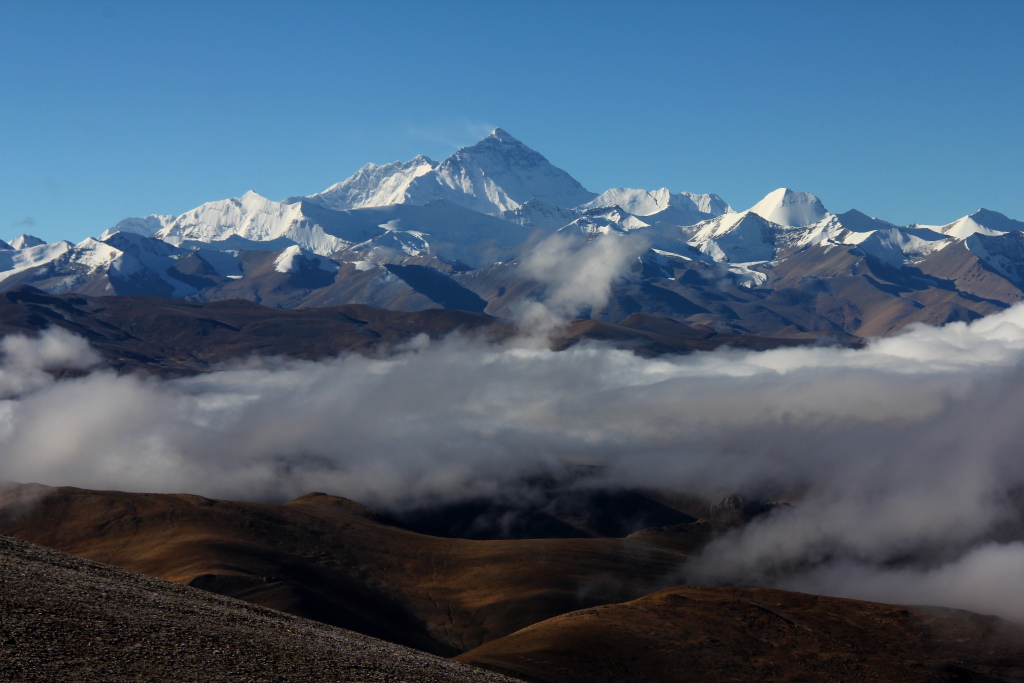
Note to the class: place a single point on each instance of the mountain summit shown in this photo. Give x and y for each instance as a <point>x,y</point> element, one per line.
<point>497,174</point>
<point>786,207</point>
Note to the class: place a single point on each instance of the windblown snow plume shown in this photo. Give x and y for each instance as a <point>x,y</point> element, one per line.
<point>902,460</point>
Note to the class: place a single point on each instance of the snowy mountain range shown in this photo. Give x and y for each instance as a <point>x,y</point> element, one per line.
<point>451,234</point>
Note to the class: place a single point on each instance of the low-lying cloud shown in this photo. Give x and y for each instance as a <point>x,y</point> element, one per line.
<point>903,459</point>
<point>578,274</point>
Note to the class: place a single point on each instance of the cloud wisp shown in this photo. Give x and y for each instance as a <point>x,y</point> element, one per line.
<point>578,274</point>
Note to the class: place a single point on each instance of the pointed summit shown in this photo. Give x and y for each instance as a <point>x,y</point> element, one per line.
<point>786,207</point>
<point>25,241</point>
<point>502,135</point>
<point>857,221</point>
<point>982,222</point>
<point>996,221</point>
<point>497,174</point>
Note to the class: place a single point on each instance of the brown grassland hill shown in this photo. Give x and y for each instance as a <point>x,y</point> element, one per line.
<point>730,634</point>
<point>331,559</point>
<point>540,609</point>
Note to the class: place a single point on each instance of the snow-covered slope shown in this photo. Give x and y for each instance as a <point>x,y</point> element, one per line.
<point>736,238</point>
<point>536,213</point>
<point>644,203</point>
<point>15,261</point>
<point>295,259</point>
<point>1004,253</point>
<point>146,226</point>
<point>374,185</point>
<point>254,219</point>
<point>902,246</point>
<point>439,228</point>
<point>601,221</point>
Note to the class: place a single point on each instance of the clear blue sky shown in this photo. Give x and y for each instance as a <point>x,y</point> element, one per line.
<point>910,111</point>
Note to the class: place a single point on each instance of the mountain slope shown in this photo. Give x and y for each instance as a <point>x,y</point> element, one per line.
<point>64,618</point>
<point>374,185</point>
<point>729,634</point>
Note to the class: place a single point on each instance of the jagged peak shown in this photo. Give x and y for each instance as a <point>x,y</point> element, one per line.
<point>421,159</point>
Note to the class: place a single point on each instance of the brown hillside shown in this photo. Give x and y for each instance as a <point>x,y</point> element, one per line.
<point>726,634</point>
<point>330,559</point>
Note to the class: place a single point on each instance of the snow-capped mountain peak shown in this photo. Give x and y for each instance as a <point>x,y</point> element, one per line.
<point>981,222</point>
<point>786,207</point>
<point>497,174</point>
<point>500,173</point>
<point>25,241</point>
<point>743,237</point>
<point>502,135</point>
<point>996,221</point>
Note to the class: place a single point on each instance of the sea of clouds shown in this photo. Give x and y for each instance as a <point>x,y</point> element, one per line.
<point>903,458</point>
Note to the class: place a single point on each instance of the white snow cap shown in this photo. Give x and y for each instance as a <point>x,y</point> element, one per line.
<point>503,135</point>
<point>786,207</point>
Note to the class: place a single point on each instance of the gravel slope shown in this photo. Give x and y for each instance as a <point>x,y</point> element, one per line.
<point>63,618</point>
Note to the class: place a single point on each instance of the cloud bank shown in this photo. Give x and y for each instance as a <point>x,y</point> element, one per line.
<point>903,459</point>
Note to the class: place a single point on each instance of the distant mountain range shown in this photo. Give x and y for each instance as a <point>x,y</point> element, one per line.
<point>420,234</point>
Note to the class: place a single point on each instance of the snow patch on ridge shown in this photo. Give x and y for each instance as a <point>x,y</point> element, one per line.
<point>374,185</point>
<point>294,260</point>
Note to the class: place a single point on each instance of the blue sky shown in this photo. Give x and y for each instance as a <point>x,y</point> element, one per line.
<point>910,111</point>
